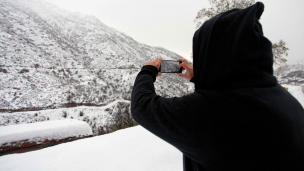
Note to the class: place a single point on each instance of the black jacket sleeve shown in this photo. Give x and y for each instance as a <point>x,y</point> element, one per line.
<point>168,118</point>
<point>192,79</point>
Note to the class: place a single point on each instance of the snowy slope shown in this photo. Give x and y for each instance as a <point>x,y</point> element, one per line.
<point>131,149</point>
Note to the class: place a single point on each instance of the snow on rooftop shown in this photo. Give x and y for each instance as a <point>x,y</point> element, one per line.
<point>48,130</point>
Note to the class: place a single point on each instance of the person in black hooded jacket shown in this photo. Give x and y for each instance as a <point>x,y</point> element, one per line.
<point>239,118</point>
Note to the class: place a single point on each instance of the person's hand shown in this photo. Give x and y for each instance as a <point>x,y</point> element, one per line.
<point>185,66</point>
<point>155,63</point>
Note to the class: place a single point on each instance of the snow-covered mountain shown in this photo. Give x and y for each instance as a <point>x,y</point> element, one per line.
<point>291,74</point>
<point>51,58</point>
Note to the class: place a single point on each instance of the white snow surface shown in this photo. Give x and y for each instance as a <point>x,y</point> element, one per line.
<point>41,131</point>
<point>131,149</point>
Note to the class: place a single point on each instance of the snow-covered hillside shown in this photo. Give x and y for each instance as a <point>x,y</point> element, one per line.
<point>52,58</point>
<point>291,74</point>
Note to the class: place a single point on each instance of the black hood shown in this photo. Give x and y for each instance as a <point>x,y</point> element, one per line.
<point>230,52</point>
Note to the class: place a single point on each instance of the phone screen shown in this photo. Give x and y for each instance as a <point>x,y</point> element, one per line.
<point>168,66</point>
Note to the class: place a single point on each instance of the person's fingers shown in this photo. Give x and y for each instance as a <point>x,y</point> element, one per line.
<point>159,74</point>
<point>183,60</point>
<point>160,59</point>
<point>189,70</point>
<point>158,62</point>
<point>185,65</point>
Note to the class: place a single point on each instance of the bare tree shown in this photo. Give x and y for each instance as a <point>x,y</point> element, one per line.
<point>279,50</point>
<point>219,6</point>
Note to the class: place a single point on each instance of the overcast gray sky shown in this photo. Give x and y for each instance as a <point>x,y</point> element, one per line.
<point>169,23</point>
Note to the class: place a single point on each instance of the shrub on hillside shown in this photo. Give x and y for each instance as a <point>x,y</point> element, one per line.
<point>81,113</point>
<point>64,114</point>
<point>3,70</point>
<point>24,71</point>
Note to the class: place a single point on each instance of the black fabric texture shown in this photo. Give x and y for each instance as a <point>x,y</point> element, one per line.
<point>239,118</point>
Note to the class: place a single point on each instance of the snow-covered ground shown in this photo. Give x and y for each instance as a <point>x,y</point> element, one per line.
<point>129,149</point>
<point>40,131</point>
